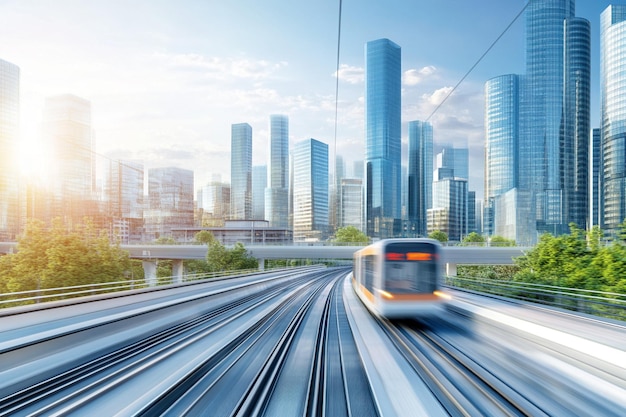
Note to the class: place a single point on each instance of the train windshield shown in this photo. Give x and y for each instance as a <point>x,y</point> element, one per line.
<point>411,267</point>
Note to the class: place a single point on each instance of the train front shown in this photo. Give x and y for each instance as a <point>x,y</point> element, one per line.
<point>411,276</point>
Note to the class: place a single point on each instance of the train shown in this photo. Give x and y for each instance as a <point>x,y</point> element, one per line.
<point>400,278</point>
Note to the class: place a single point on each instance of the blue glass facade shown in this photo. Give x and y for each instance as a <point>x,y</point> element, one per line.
<point>613,83</point>
<point>501,134</point>
<point>554,115</point>
<point>420,176</point>
<point>596,193</point>
<point>259,183</point>
<point>310,190</point>
<point>277,193</point>
<point>241,172</point>
<point>383,142</point>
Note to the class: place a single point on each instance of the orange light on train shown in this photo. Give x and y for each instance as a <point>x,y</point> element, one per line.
<point>392,256</point>
<point>419,256</point>
<point>443,295</point>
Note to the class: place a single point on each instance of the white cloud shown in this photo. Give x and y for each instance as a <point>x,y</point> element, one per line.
<point>350,74</point>
<point>414,76</point>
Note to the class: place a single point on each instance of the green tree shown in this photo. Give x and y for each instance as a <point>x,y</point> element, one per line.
<point>473,239</point>
<point>204,237</point>
<point>58,256</point>
<point>220,258</point>
<point>350,234</point>
<point>439,235</point>
<point>501,241</point>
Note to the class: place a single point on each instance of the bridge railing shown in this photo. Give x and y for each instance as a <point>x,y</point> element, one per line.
<point>54,294</point>
<point>598,303</point>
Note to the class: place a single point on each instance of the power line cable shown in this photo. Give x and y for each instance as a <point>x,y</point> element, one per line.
<point>479,59</point>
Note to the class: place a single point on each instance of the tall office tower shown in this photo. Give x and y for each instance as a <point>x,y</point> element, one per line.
<point>613,91</point>
<point>214,203</point>
<point>450,194</point>
<point>11,219</point>
<point>277,193</point>
<point>554,115</point>
<point>512,221</point>
<point>310,191</point>
<point>170,201</point>
<point>259,183</point>
<point>241,172</point>
<point>335,195</point>
<point>595,186</point>
<point>122,195</point>
<point>420,175</point>
<point>471,212</point>
<point>351,203</point>
<point>383,144</point>
<point>450,212</point>
<point>67,130</point>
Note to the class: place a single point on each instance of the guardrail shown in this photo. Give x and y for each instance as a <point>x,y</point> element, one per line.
<point>597,303</point>
<point>21,298</point>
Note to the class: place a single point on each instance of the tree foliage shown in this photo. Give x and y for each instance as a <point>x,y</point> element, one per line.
<point>439,235</point>
<point>350,234</point>
<point>58,256</point>
<point>575,260</point>
<point>473,239</point>
<point>220,258</point>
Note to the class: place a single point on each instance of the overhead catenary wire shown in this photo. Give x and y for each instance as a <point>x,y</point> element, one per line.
<point>479,59</point>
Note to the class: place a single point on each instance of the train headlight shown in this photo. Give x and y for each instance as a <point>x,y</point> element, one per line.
<point>443,295</point>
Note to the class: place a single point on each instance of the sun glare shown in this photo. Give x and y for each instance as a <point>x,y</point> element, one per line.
<point>33,161</point>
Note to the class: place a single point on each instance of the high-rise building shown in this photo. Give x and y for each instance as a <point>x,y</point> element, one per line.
<point>383,141</point>
<point>420,176</point>
<point>613,92</point>
<point>310,191</point>
<point>554,115</point>
<point>449,213</point>
<point>450,210</point>
<point>68,133</point>
<point>595,186</point>
<point>241,172</point>
<point>11,218</point>
<point>214,203</point>
<point>277,193</point>
<point>259,183</point>
<point>335,194</point>
<point>170,201</point>
<point>502,100</point>
<point>351,203</point>
<point>123,199</point>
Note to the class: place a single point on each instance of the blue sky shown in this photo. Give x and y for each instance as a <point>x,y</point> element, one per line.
<point>166,79</point>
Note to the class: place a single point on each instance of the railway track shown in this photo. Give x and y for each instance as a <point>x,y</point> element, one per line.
<point>273,349</point>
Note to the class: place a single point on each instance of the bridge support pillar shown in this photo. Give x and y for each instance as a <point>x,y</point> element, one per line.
<point>261,264</point>
<point>178,271</point>
<point>451,270</point>
<point>150,272</point>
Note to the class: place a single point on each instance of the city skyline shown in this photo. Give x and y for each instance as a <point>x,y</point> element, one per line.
<point>181,76</point>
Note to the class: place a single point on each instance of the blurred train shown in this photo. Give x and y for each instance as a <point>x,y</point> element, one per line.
<point>399,278</point>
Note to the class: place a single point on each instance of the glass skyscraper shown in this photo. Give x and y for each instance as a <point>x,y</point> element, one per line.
<point>613,87</point>
<point>420,175</point>
<point>277,193</point>
<point>596,193</point>
<point>502,101</point>
<point>10,207</point>
<point>259,183</point>
<point>310,191</point>
<point>554,115</point>
<point>383,141</point>
<point>170,201</point>
<point>241,172</point>
<point>123,198</point>
<point>67,129</point>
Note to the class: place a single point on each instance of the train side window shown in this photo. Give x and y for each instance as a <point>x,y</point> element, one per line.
<point>369,272</point>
